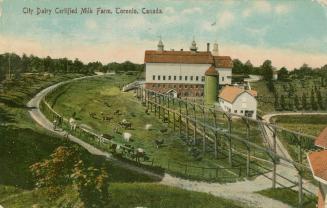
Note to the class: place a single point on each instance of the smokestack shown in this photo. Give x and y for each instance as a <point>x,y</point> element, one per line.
<point>208,47</point>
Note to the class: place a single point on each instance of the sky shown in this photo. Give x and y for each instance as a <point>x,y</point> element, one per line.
<point>288,32</point>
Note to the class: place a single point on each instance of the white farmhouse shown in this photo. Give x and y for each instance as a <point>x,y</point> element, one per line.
<point>182,72</point>
<point>236,100</point>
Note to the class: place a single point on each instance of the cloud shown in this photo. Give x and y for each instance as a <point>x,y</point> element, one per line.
<point>282,9</point>
<point>225,19</point>
<point>321,2</point>
<point>262,6</point>
<point>193,10</point>
<point>91,24</point>
<point>246,12</point>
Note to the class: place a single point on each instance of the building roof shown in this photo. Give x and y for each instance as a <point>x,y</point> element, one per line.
<point>318,164</point>
<point>211,71</point>
<point>187,57</point>
<point>321,140</point>
<point>230,93</point>
<point>223,62</point>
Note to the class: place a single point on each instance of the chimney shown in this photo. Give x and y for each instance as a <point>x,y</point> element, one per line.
<point>208,47</point>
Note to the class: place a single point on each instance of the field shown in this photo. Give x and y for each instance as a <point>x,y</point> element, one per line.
<point>309,124</point>
<point>124,195</point>
<point>98,95</point>
<point>289,197</point>
<point>22,143</point>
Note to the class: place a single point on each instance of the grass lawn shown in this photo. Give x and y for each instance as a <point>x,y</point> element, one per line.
<point>98,95</point>
<point>309,124</point>
<point>265,97</point>
<point>126,195</point>
<point>289,197</point>
<point>22,143</point>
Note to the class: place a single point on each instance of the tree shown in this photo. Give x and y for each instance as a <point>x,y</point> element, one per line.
<point>55,172</point>
<point>282,74</point>
<point>92,185</point>
<point>276,104</point>
<point>237,66</point>
<point>248,67</point>
<point>282,102</point>
<point>297,102</point>
<point>319,100</point>
<point>304,102</point>
<point>313,102</point>
<point>267,70</point>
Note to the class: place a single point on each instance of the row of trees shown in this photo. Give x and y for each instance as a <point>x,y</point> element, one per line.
<point>13,65</point>
<point>313,102</point>
<point>266,70</point>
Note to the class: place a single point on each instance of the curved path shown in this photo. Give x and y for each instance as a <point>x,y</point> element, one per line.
<point>242,191</point>
<point>281,150</point>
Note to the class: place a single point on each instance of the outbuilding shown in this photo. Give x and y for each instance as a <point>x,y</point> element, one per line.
<point>236,100</point>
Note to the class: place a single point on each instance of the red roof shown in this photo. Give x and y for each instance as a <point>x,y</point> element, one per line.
<point>318,164</point>
<point>321,140</point>
<point>223,62</point>
<point>187,57</point>
<point>211,71</point>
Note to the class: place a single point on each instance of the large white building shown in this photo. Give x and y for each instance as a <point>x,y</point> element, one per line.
<point>183,72</point>
<point>239,101</point>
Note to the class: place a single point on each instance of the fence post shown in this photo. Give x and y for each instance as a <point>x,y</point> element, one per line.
<point>194,127</point>
<point>187,127</point>
<point>204,131</point>
<point>159,106</point>
<point>229,140</point>
<point>248,158</point>
<point>274,160</point>
<point>180,118</point>
<point>300,174</point>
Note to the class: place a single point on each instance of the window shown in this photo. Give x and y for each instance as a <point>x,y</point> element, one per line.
<point>158,85</point>
<point>202,78</point>
<point>154,77</point>
<point>197,78</point>
<point>163,86</point>
<point>164,77</point>
<point>185,78</point>
<point>196,94</point>
<point>174,86</point>
<point>159,77</point>
<point>180,86</point>
<point>191,86</point>
<point>241,111</point>
<point>191,78</point>
<point>180,77</point>
<point>235,111</point>
<point>175,77</point>
<point>222,78</point>
<point>153,85</point>
<point>185,94</point>
<point>185,86</point>
<point>169,77</point>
